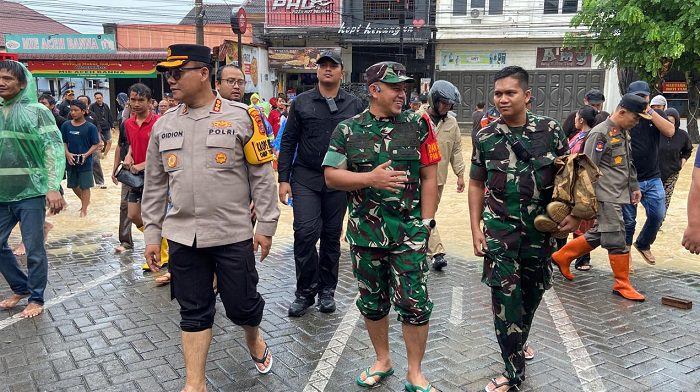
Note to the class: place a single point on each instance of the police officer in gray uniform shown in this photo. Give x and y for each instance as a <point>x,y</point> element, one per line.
<point>609,146</point>
<point>201,151</point>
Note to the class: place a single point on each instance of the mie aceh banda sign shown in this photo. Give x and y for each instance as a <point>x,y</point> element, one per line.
<point>60,43</point>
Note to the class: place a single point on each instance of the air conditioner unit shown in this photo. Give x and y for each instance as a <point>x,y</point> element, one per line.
<point>475,15</point>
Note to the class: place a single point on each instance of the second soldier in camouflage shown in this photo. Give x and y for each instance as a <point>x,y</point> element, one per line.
<point>511,182</point>
<point>387,162</point>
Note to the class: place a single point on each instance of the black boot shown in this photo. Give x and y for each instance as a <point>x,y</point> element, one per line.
<point>326,303</point>
<point>299,306</point>
<point>439,262</point>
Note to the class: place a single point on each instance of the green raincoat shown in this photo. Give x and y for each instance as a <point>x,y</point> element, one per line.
<point>32,159</point>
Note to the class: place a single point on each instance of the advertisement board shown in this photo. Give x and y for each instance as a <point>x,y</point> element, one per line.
<point>60,43</point>
<point>92,69</point>
<point>303,13</point>
<point>554,57</point>
<point>295,58</point>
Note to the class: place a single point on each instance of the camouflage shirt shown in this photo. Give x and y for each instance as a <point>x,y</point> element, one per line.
<point>379,218</point>
<point>515,189</point>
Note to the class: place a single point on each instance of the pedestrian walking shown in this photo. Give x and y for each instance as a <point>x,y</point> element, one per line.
<point>674,152</point>
<point>442,97</point>
<point>318,209</point>
<point>206,155</point>
<point>126,241</point>
<point>103,115</point>
<point>97,173</point>
<point>646,138</point>
<point>691,236</point>
<point>584,121</point>
<point>81,139</point>
<point>608,145</point>
<point>138,132</point>
<point>386,160</point>
<point>64,105</point>
<point>32,164</point>
<point>511,181</point>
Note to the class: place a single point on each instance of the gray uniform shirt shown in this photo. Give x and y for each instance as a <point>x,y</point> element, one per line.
<point>197,154</point>
<point>610,148</point>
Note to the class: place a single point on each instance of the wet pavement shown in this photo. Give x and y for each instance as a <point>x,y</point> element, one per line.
<point>108,328</point>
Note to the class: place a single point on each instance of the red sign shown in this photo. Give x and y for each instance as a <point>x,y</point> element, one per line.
<point>93,69</point>
<point>554,57</point>
<point>674,87</point>
<point>303,13</point>
<point>9,56</point>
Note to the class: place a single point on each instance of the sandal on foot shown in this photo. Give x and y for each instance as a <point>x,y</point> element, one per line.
<point>527,356</point>
<point>370,376</point>
<point>496,385</point>
<point>583,267</point>
<point>262,360</point>
<point>163,279</point>
<point>417,388</point>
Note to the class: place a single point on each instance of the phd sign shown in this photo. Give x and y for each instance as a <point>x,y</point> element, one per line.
<point>60,43</point>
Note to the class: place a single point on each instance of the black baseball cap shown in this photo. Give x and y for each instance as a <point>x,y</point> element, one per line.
<point>595,96</point>
<point>179,54</point>
<point>639,87</point>
<point>416,100</point>
<point>331,55</point>
<point>635,104</point>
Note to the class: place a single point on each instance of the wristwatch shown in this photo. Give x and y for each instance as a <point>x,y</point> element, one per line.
<point>429,223</point>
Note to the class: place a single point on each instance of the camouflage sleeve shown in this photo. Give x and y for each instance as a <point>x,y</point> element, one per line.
<point>477,171</point>
<point>561,142</point>
<point>429,150</point>
<point>336,155</point>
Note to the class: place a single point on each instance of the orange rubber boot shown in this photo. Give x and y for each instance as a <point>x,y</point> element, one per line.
<point>620,265</point>
<point>570,252</point>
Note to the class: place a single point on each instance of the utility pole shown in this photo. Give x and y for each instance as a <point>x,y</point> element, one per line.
<point>199,21</point>
<point>402,21</point>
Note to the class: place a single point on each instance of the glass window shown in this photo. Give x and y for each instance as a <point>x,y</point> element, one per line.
<point>569,7</point>
<point>496,7</point>
<point>551,6</point>
<point>459,7</point>
<point>479,4</point>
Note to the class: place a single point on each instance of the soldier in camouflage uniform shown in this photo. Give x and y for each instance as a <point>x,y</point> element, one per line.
<point>511,182</point>
<point>387,162</point>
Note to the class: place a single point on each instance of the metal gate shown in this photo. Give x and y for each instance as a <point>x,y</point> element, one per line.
<point>557,93</point>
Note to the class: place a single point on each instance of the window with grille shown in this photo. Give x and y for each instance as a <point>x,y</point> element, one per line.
<point>386,9</point>
<point>459,7</point>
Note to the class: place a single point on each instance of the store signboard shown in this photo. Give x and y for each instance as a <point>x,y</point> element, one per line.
<point>465,59</point>
<point>92,69</point>
<point>295,58</point>
<point>555,57</point>
<point>229,51</point>
<point>60,43</point>
<point>303,13</point>
<point>674,87</point>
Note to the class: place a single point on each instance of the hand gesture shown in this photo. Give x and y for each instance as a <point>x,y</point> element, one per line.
<point>388,180</point>
<point>70,157</point>
<point>569,224</point>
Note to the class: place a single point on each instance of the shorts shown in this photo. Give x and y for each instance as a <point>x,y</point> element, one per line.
<point>106,134</point>
<point>193,271</point>
<point>134,195</point>
<point>80,179</point>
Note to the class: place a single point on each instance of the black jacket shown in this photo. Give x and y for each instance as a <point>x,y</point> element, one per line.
<point>102,115</point>
<point>671,151</point>
<point>308,132</point>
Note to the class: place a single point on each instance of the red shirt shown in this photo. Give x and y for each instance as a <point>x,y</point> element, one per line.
<point>138,136</point>
<point>274,119</point>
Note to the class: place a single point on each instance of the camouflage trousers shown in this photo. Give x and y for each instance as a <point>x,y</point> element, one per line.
<point>518,274</point>
<point>397,275</point>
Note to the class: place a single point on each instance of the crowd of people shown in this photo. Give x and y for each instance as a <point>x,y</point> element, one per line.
<point>385,165</point>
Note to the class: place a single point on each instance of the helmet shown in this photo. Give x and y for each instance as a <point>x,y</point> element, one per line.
<point>445,91</point>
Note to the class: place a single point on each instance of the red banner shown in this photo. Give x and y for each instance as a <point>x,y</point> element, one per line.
<point>303,13</point>
<point>93,69</point>
<point>674,87</point>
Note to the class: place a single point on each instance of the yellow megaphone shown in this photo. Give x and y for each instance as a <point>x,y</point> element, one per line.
<point>258,149</point>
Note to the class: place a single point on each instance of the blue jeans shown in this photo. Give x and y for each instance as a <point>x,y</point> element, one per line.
<point>654,202</point>
<point>30,214</point>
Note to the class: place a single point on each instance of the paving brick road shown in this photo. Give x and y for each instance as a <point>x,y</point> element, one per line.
<point>110,329</point>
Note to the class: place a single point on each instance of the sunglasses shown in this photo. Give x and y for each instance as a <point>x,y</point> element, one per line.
<point>176,73</point>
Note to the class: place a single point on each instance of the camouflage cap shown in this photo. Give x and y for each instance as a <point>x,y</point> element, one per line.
<point>387,72</point>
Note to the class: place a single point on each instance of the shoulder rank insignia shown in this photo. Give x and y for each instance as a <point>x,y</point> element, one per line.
<point>614,132</point>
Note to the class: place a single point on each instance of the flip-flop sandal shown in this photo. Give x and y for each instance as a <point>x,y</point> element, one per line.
<point>370,376</point>
<point>527,356</point>
<point>583,267</point>
<point>417,388</point>
<point>496,385</point>
<point>163,279</point>
<point>262,360</point>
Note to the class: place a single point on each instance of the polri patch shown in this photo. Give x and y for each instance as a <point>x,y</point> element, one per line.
<point>172,160</point>
<point>221,158</point>
<point>599,146</point>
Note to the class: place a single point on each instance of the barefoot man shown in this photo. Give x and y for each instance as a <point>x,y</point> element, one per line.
<point>31,168</point>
